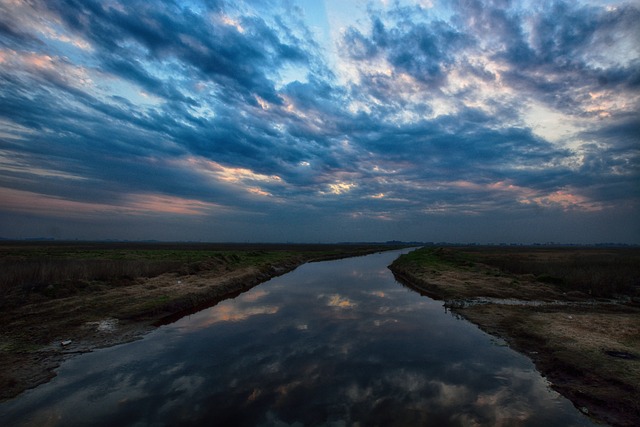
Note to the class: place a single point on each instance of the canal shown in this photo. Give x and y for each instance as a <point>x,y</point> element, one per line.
<point>336,343</point>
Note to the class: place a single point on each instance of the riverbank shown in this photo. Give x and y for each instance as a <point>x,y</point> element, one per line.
<point>59,300</point>
<point>588,347</point>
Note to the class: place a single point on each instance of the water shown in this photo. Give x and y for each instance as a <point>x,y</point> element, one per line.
<point>335,343</point>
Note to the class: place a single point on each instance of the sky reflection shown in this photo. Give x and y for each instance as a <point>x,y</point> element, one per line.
<point>318,346</point>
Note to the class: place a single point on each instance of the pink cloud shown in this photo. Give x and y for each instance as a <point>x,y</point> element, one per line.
<point>154,203</point>
<point>133,204</point>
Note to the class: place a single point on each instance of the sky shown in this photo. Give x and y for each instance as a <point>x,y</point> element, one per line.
<point>482,121</point>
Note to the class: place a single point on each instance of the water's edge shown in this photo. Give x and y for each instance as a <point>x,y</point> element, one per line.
<point>562,379</point>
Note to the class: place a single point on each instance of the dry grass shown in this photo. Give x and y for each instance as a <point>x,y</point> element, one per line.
<point>450,274</point>
<point>590,352</point>
<point>31,272</point>
<point>594,271</point>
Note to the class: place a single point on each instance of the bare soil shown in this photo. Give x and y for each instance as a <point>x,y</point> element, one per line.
<point>46,322</point>
<point>588,348</point>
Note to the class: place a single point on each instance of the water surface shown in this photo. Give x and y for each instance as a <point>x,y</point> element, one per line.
<point>333,343</point>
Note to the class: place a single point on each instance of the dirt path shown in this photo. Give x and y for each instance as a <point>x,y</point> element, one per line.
<point>588,349</point>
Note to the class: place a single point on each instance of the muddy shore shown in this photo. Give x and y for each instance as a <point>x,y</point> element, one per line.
<point>84,330</point>
<point>588,348</point>
<point>46,324</point>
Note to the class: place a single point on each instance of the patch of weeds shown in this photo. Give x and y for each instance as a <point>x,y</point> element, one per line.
<point>597,272</point>
<point>434,258</point>
<point>62,289</point>
<point>18,346</point>
<point>155,303</point>
<point>551,280</point>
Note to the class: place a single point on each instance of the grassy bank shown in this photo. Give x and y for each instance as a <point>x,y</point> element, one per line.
<point>583,332</point>
<point>64,269</point>
<point>97,295</point>
<point>597,272</point>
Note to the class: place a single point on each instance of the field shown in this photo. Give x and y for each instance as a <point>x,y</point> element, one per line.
<point>91,295</point>
<point>574,311</point>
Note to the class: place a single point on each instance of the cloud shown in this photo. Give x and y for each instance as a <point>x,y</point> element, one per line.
<point>338,301</point>
<point>238,105</point>
<point>132,204</point>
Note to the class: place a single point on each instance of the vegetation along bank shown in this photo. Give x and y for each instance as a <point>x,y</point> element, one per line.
<point>574,311</point>
<point>59,299</point>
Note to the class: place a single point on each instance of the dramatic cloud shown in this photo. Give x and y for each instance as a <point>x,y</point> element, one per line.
<point>277,120</point>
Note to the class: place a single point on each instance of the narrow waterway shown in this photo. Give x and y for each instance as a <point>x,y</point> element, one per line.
<point>335,343</point>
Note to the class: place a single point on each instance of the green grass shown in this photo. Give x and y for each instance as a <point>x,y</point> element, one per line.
<point>18,346</point>
<point>434,259</point>
<point>601,273</point>
<point>155,303</point>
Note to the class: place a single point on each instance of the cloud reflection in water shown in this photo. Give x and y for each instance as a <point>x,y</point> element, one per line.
<point>313,347</point>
